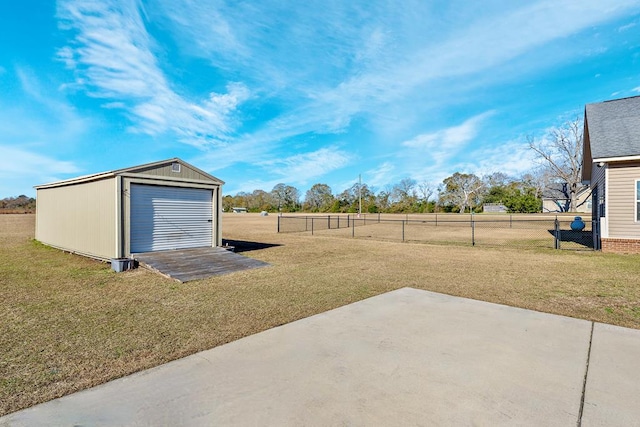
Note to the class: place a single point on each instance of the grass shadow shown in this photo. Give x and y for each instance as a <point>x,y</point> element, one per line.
<point>582,238</point>
<point>246,246</point>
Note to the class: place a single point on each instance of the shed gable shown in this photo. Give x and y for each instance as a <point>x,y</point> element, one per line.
<point>173,168</point>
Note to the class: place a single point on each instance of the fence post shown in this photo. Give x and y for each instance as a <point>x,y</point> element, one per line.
<point>556,234</point>
<point>473,232</point>
<point>306,223</point>
<point>510,221</point>
<point>278,224</point>
<point>338,222</point>
<point>436,220</point>
<point>312,226</point>
<point>378,217</point>
<point>348,220</point>
<point>403,230</point>
<point>353,228</point>
<point>329,222</point>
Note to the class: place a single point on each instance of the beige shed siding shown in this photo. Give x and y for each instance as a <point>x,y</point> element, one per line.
<point>165,171</point>
<point>621,200</point>
<point>79,218</point>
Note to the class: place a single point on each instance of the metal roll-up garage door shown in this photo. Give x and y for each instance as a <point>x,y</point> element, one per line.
<point>165,218</point>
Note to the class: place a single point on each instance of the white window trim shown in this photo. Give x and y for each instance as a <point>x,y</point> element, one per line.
<point>636,192</point>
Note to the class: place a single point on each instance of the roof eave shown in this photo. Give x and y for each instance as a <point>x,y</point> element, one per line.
<point>77,180</point>
<point>617,159</point>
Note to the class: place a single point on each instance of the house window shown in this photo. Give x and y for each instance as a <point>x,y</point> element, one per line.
<point>175,167</point>
<point>638,200</point>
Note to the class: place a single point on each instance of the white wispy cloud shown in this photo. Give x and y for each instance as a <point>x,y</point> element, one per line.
<point>31,86</point>
<point>301,168</point>
<point>24,168</point>
<point>40,115</point>
<point>510,157</point>
<point>627,27</point>
<point>445,143</point>
<point>381,175</point>
<point>113,57</point>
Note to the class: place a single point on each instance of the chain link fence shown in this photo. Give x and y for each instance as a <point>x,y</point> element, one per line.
<point>531,231</point>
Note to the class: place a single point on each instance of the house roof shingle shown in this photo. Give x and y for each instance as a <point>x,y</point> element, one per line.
<point>614,128</point>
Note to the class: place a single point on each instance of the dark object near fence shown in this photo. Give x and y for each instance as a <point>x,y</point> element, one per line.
<point>577,224</point>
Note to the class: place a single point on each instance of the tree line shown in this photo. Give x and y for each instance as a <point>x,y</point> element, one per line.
<point>21,203</point>
<point>458,193</point>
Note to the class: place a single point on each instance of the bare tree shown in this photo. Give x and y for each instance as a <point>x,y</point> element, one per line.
<point>425,191</point>
<point>404,196</point>
<point>497,179</point>
<point>561,155</point>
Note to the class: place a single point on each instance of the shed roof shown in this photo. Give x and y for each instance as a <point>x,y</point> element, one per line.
<point>131,169</point>
<point>613,128</point>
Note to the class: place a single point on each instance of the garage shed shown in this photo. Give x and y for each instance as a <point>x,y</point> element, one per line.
<point>153,207</point>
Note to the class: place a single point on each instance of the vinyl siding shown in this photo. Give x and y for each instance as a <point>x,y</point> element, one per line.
<point>79,218</point>
<point>621,200</point>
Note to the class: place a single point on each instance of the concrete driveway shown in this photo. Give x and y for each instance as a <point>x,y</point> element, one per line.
<point>408,357</point>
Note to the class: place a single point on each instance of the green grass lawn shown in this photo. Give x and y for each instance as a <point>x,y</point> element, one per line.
<point>69,322</point>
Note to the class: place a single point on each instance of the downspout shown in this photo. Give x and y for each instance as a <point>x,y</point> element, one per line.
<point>119,247</point>
<point>219,216</point>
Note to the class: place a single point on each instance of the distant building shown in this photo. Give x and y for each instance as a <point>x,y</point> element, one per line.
<point>494,208</point>
<point>239,210</point>
<point>555,198</point>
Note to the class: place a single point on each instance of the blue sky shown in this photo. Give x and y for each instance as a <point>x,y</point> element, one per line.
<point>262,92</point>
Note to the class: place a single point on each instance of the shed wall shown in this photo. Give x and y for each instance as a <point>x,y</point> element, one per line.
<point>80,218</point>
<point>621,202</point>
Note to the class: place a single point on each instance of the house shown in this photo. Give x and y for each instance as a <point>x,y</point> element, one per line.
<point>239,210</point>
<point>157,206</point>
<point>611,165</point>
<point>555,198</point>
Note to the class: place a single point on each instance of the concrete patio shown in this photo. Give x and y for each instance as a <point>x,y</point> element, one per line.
<point>408,357</point>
